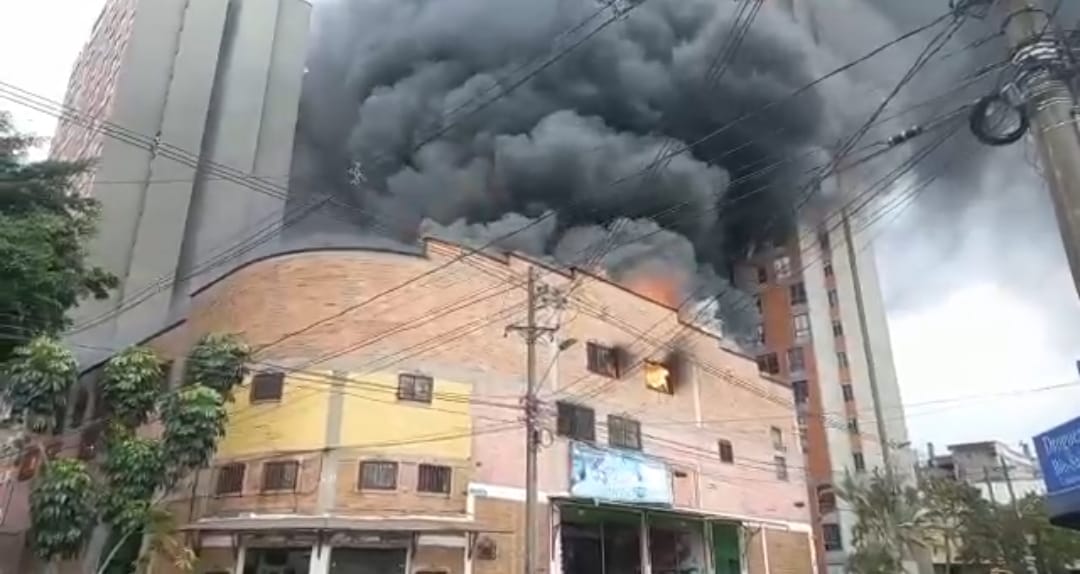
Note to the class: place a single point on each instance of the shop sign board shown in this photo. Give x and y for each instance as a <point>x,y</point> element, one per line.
<point>1059,456</point>
<point>618,476</point>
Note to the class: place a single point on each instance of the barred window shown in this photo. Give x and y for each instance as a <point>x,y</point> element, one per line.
<point>267,387</point>
<point>624,432</point>
<point>575,421</point>
<point>378,475</point>
<point>414,388</point>
<point>434,478</point>
<point>280,475</point>
<point>230,479</point>
<point>602,360</point>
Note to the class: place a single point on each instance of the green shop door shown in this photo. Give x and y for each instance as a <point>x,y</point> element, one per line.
<point>726,548</point>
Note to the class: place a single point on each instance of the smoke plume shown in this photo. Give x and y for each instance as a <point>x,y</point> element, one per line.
<point>572,144</point>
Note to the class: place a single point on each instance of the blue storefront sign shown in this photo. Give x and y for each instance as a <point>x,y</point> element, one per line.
<point>618,476</point>
<point>1059,458</point>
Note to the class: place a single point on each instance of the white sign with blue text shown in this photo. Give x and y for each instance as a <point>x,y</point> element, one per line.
<point>618,476</point>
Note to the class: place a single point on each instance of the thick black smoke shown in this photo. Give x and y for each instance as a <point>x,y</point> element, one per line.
<point>569,145</point>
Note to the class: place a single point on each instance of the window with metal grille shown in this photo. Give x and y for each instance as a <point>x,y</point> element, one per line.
<point>831,534</point>
<point>781,467</point>
<point>378,475</point>
<point>78,410</point>
<point>727,452</point>
<point>576,422</point>
<point>834,298</point>
<point>414,388</point>
<point>602,360</point>
<point>860,462</point>
<point>280,475</point>
<point>777,437</point>
<point>624,432</point>
<point>801,390</point>
<point>796,360</point>
<point>842,360</point>
<point>230,479</point>
<point>849,393</point>
<point>768,363</point>
<point>798,293</point>
<point>434,478</point>
<point>267,387</point>
<point>802,325</point>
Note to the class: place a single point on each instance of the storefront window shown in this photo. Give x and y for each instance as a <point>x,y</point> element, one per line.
<point>676,546</point>
<point>277,560</point>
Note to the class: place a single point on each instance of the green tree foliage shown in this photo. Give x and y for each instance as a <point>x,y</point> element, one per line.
<point>953,509</point>
<point>132,384</point>
<point>44,226</point>
<point>36,381</point>
<point>891,522</point>
<point>63,509</point>
<point>194,418</point>
<point>218,361</point>
<point>133,469</point>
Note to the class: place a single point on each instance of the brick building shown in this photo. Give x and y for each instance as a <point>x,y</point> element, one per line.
<point>386,431</point>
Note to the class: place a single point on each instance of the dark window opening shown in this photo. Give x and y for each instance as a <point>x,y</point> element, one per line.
<point>837,329</point>
<point>727,452</point>
<point>267,387</point>
<point>762,275</point>
<point>860,462</point>
<point>828,270</point>
<point>378,475</point>
<point>602,360</point>
<point>624,432</point>
<point>434,478</point>
<point>781,467</point>
<point>796,360</point>
<point>849,393</point>
<point>280,475</point>
<point>415,388</point>
<point>831,534</point>
<point>798,293</point>
<point>576,422</point>
<point>801,390</point>
<point>769,363</point>
<point>230,479</point>
<point>78,411</point>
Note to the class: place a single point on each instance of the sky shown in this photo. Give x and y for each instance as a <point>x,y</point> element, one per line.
<point>982,310</point>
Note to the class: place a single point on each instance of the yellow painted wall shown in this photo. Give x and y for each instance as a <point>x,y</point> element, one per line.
<point>297,423</point>
<point>373,419</point>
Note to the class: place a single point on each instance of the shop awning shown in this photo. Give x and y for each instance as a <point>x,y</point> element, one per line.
<point>346,523</point>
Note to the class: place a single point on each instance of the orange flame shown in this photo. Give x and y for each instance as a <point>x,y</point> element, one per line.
<point>664,290</point>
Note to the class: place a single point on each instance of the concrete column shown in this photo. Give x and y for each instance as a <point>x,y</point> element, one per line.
<point>320,559</point>
<point>765,549</point>
<point>241,555</point>
<point>646,558</point>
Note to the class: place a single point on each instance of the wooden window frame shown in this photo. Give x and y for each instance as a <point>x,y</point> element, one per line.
<point>571,424</point>
<point>602,360</point>
<point>272,381</point>
<point>284,465</point>
<point>379,464</point>
<point>624,432</point>
<point>408,385</point>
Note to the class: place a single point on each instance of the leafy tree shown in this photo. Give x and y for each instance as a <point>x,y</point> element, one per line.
<point>194,418</point>
<point>218,361</point>
<point>44,225</point>
<point>952,509</point>
<point>133,468</point>
<point>890,522</point>
<point>63,509</point>
<point>132,384</point>
<point>36,382</point>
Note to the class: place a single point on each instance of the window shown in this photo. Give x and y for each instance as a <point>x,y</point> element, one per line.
<point>768,363</point>
<point>230,479</point>
<point>761,334</point>
<point>434,478</point>
<point>267,387</point>
<point>414,388</point>
<point>280,475</point>
<point>378,475</point>
<point>831,534</point>
<point>782,267</point>
<point>842,360</point>
<point>860,462</point>
<point>853,425</point>
<point>658,377</point>
<point>826,499</point>
<point>777,437</point>
<point>576,422</point>
<point>801,391</point>
<point>624,432</point>
<point>798,293</point>
<point>78,411</point>
<point>834,298</point>
<point>757,303</point>
<point>727,453</point>
<point>602,360</point>
<point>823,239</point>
<point>837,329</point>
<point>802,325</point>
<point>828,270</point>
<point>781,467</point>
<point>796,360</point>
<point>849,393</point>
<point>762,275</point>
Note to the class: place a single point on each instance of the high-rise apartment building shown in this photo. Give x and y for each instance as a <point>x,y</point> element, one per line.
<point>824,330</point>
<point>171,99</point>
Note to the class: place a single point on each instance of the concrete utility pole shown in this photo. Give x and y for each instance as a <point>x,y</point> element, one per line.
<point>1038,50</point>
<point>532,333</point>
